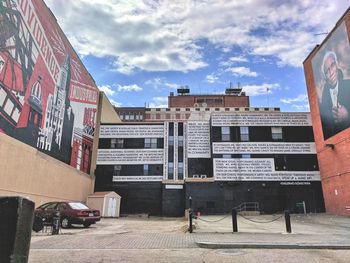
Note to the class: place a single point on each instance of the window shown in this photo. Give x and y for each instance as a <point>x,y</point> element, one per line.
<point>226,156</point>
<point>151,143</point>
<point>145,169</point>
<point>171,140</point>
<point>137,116</point>
<point>181,141</point>
<point>132,116</point>
<point>117,143</point>
<point>116,170</point>
<point>180,171</point>
<point>225,134</point>
<point>126,116</point>
<point>276,133</point>
<point>170,170</point>
<point>141,116</point>
<point>245,156</point>
<point>244,131</point>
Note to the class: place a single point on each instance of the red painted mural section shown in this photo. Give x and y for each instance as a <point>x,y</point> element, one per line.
<point>47,98</point>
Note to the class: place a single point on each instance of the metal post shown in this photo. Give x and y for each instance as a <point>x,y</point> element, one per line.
<point>304,206</point>
<point>190,218</point>
<point>287,218</point>
<point>234,220</point>
<point>56,223</point>
<point>190,215</point>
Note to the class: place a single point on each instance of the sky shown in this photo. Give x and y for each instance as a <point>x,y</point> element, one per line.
<point>138,51</point>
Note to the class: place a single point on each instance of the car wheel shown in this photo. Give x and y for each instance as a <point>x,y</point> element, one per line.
<point>65,223</point>
<point>86,225</point>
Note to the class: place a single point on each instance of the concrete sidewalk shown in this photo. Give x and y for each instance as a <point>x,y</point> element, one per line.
<point>266,231</point>
<point>313,231</point>
<point>323,238</point>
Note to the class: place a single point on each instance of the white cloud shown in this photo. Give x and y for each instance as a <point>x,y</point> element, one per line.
<point>160,83</point>
<point>263,89</point>
<point>159,102</point>
<point>115,103</point>
<point>233,60</point>
<point>211,78</point>
<point>302,98</point>
<point>129,88</point>
<point>107,89</point>
<point>303,107</point>
<point>165,35</point>
<point>241,71</point>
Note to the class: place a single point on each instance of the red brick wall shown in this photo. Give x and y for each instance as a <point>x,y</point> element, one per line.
<point>334,163</point>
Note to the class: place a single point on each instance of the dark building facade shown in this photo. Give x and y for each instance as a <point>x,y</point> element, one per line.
<point>221,157</point>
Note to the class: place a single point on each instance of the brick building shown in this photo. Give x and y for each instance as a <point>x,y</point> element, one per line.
<point>330,113</point>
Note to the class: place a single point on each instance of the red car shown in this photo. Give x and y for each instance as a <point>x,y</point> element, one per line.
<point>70,213</point>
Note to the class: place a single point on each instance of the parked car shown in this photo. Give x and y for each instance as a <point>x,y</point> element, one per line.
<point>70,213</point>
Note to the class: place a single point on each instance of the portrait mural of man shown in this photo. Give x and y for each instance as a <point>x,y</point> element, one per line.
<point>331,67</point>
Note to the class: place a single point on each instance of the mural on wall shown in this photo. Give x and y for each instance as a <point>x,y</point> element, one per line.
<point>47,98</point>
<point>331,71</point>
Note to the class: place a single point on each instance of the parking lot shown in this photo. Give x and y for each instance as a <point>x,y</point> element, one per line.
<point>156,239</point>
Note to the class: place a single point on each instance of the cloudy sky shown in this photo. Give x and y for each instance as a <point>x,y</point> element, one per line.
<point>139,51</point>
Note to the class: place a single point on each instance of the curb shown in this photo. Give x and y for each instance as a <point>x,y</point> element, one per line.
<point>271,246</point>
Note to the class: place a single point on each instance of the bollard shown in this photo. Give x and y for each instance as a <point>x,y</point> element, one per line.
<point>234,220</point>
<point>287,218</point>
<point>190,215</point>
<point>16,223</point>
<point>56,223</point>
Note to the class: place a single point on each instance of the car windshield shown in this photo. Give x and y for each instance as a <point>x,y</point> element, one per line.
<point>78,206</point>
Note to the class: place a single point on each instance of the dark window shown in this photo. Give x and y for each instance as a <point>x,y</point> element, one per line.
<point>181,141</point>
<point>145,169</point>
<point>180,171</point>
<point>171,129</point>
<point>170,171</point>
<point>151,143</point>
<point>116,170</point>
<point>244,132</point>
<point>181,128</point>
<point>225,134</point>
<point>276,134</point>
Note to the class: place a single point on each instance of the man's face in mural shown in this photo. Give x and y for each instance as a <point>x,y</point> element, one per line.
<point>331,70</point>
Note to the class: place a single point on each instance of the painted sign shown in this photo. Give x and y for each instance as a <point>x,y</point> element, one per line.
<point>135,178</point>
<point>264,148</point>
<point>198,139</point>
<point>257,170</point>
<point>261,119</point>
<point>129,156</point>
<point>47,98</point>
<point>132,131</point>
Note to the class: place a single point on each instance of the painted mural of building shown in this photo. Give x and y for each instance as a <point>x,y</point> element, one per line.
<point>45,90</point>
<point>327,74</point>
<point>220,156</point>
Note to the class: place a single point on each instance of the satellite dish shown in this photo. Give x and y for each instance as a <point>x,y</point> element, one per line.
<point>196,105</point>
